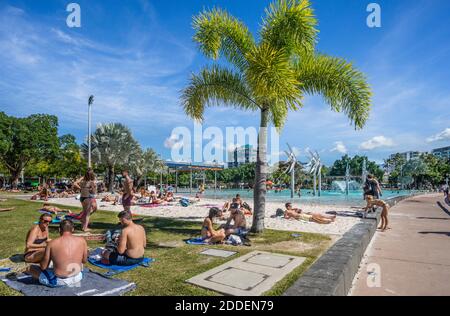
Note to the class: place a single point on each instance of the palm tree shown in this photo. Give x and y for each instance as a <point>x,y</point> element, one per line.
<point>141,162</point>
<point>271,75</point>
<point>112,145</point>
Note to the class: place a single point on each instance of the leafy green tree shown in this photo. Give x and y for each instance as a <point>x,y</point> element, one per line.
<point>355,164</point>
<point>270,75</point>
<point>25,139</point>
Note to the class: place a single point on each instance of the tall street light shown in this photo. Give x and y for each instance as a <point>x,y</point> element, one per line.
<point>90,102</point>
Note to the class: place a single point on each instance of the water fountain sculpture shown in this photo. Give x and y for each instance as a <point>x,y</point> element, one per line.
<point>315,168</point>
<point>291,164</point>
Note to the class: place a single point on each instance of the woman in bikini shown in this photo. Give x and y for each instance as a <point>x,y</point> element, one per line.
<point>209,234</point>
<point>37,239</point>
<point>88,189</point>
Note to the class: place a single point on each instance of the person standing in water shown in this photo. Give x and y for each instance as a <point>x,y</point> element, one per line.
<point>88,189</point>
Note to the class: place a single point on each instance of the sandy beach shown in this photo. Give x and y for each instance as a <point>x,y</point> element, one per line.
<point>198,211</point>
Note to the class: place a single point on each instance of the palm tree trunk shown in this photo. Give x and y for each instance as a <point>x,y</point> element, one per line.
<point>259,195</point>
<point>110,178</point>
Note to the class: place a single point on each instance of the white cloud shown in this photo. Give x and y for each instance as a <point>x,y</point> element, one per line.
<point>444,135</point>
<point>377,142</point>
<point>339,147</point>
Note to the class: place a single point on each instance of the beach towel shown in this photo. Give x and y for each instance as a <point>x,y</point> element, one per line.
<point>196,241</point>
<point>55,221</point>
<point>95,259</point>
<point>93,284</point>
<point>153,205</point>
<point>114,270</point>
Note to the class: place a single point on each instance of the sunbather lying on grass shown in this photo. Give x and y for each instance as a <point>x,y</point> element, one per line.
<point>209,234</point>
<point>298,214</point>
<point>51,209</point>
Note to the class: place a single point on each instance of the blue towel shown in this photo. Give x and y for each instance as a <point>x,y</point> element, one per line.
<point>113,269</point>
<point>54,221</point>
<point>196,241</point>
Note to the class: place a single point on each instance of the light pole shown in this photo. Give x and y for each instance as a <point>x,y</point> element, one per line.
<point>90,102</point>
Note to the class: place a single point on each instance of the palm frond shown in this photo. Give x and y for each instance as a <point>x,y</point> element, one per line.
<point>290,24</point>
<point>271,76</point>
<point>218,33</point>
<point>344,87</point>
<point>213,87</point>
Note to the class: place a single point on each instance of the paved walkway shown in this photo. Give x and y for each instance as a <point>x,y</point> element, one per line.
<point>414,256</point>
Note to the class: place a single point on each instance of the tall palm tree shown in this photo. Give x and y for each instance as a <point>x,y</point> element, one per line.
<point>271,75</point>
<point>112,145</point>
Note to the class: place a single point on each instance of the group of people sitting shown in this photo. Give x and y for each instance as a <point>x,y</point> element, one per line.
<point>236,223</point>
<point>48,191</point>
<point>60,261</point>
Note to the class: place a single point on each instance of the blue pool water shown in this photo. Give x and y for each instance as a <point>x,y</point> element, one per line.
<point>355,198</point>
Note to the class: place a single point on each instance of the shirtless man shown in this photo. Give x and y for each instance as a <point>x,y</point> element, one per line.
<point>131,245</point>
<point>371,202</point>
<point>298,214</point>
<point>37,239</point>
<point>239,226</point>
<point>127,192</point>
<point>68,254</point>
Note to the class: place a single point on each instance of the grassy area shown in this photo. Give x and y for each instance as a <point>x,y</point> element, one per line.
<point>173,265</point>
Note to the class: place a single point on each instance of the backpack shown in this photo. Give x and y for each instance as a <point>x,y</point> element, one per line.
<point>234,240</point>
<point>184,202</point>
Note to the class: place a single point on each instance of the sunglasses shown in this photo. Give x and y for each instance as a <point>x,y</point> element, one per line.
<point>46,222</point>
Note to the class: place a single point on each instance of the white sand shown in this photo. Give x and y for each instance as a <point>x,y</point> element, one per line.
<point>199,211</point>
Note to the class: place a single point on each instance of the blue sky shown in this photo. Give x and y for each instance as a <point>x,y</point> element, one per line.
<point>136,57</point>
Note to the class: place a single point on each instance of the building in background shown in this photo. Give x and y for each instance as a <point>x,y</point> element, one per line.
<point>443,152</point>
<point>241,156</point>
<point>409,155</point>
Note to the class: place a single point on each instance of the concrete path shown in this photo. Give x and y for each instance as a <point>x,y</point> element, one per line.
<point>413,258</point>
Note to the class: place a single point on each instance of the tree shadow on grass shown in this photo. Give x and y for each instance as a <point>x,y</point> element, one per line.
<point>436,218</point>
<point>443,208</point>
<point>436,233</point>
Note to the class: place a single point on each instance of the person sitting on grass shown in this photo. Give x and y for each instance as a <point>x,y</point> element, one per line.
<point>239,226</point>
<point>131,244</point>
<point>68,254</point>
<point>298,214</point>
<point>37,239</point>
<point>209,234</point>
<point>371,202</point>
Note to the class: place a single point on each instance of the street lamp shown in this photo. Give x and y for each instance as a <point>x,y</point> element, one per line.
<point>90,102</point>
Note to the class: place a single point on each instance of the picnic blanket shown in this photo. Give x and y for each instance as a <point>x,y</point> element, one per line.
<point>114,269</point>
<point>93,284</point>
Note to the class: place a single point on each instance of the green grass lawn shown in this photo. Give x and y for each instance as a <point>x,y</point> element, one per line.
<point>173,265</point>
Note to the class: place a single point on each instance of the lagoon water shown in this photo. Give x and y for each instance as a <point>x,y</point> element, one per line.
<point>355,197</point>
